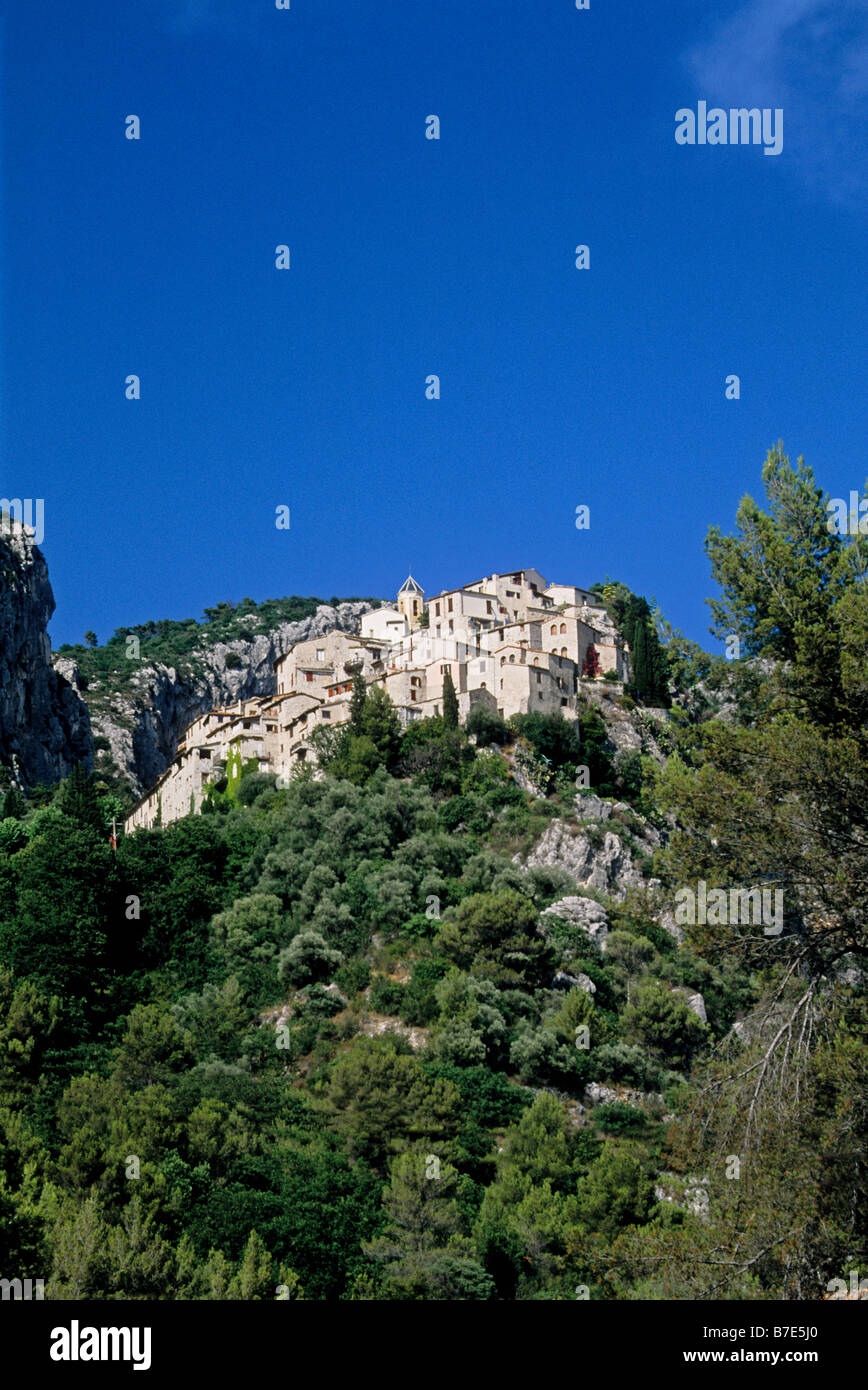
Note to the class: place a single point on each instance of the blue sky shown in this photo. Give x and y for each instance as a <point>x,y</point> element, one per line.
<point>409,257</point>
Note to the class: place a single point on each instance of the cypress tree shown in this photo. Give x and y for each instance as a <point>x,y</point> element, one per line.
<point>642,676</point>
<point>357,701</point>
<point>450,701</point>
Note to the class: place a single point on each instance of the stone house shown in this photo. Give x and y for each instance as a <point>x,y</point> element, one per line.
<point>511,642</point>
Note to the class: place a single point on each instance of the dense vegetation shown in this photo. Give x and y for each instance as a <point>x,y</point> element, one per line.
<point>310,1044</point>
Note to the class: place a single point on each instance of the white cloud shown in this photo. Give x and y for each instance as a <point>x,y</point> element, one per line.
<point>809,57</point>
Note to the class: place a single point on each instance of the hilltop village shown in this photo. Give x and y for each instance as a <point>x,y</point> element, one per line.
<point>511,642</point>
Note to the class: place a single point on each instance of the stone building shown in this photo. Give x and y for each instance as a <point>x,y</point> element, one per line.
<point>512,643</point>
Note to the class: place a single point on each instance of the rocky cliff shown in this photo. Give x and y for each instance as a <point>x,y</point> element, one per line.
<point>139,717</point>
<point>44,724</point>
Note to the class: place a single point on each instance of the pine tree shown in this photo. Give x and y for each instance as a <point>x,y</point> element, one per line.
<point>450,701</point>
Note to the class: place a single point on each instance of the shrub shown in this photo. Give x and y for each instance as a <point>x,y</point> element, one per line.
<point>625,1062</point>
<point>618,1118</point>
<point>486,726</point>
<point>386,996</point>
<point>353,977</point>
<point>551,736</point>
<point>308,957</point>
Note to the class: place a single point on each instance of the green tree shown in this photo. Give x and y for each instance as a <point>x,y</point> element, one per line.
<point>660,1020</point>
<point>496,935</point>
<point>381,725</point>
<point>58,935</point>
<point>423,1249</point>
<point>382,1099</point>
<point>450,701</point>
<point>618,1190</point>
<point>357,700</point>
<point>79,800</point>
<point>486,726</point>
<point>648,657</point>
<point>791,590</point>
<point>308,957</point>
<point>14,806</point>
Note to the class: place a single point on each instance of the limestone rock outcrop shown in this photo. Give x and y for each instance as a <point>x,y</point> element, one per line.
<point>603,861</point>
<point>143,723</point>
<point>44,723</point>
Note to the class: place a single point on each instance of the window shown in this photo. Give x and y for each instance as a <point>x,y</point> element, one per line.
<point>539,678</point>
<point>308,675</point>
<point>511,658</point>
<point>554,628</point>
<point>488,605</point>
<point>449,605</point>
<point>415,607</point>
<point>320,653</point>
<point>563,627</point>
<point>503,663</point>
<point>563,651</point>
<point>437,610</point>
<point>483,686</point>
<point>326,714</point>
<point>412,695</point>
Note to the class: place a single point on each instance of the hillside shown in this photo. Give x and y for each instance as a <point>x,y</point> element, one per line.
<point>510,1011</point>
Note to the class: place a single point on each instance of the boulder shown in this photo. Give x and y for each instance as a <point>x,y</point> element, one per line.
<point>590,916</point>
<point>591,807</point>
<point>581,981</point>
